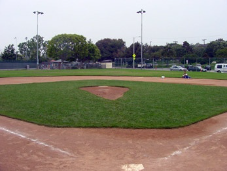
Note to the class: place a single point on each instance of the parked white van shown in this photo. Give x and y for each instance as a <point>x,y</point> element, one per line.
<point>220,67</point>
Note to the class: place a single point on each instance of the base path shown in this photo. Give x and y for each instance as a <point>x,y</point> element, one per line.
<point>25,146</point>
<point>22,80</point>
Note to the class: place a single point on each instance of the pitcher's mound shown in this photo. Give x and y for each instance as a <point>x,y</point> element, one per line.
<point>107,92</point>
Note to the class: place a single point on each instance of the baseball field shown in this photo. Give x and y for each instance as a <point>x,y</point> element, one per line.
<point>157,122</point>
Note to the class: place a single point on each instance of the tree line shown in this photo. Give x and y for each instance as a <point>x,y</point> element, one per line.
<point>73,47</point>
<point>113,48</point>
<point>70,47</point>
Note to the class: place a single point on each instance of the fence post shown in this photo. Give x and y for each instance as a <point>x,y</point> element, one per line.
<point>153,63</point>
<point>162,63</point>
<point>121,62</point>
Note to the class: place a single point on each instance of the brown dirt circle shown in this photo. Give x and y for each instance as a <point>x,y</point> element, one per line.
<point>201,146</point>
<point>107,92</point>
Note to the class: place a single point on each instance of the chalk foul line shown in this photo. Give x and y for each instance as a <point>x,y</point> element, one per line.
<point>195,142</point>
<point>37,142</point>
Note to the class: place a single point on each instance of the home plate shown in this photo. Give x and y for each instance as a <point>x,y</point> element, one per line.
<point>132,167</point>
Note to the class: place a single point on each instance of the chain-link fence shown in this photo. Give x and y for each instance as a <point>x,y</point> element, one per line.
<point>69,65</point>
<point>18,64</point>
<point>166,62</point>
<point>151,63</point>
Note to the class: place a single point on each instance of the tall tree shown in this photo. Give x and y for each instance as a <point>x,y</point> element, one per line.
<point>111,48</point>
<point>221,53</point>
<point>29,49</point>
<point>129,50</point>
<point>199,50</point>
<point>213,46</point>
<point>9,53</point>
<point>23,49</point>
<point>146,51</point>
<point>93,52</point>
<point>168,51</point>
<point>68,47</point>
<point>156,51</point>
<point>187,47</point>
<point>179,50</point>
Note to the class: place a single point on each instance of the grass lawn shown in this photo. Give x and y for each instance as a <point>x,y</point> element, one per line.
<point>145,105</point>
<point>111,72</point>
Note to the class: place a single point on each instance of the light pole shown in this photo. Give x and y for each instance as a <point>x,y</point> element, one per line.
<point>141,12</point>
<point>37,38</point>
<point>134,55</point>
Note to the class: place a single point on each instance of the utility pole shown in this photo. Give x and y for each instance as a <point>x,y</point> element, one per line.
<point>204,41</point>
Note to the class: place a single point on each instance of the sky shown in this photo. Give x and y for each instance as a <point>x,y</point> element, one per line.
<point>164,21</point>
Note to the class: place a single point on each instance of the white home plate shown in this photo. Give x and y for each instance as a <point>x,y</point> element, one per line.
<point>132,167</point>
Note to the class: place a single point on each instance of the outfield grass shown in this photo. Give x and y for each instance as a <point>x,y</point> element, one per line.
<point>110,72</point>
<point>145,105</point>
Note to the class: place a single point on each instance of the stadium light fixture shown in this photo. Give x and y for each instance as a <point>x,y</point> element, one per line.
<point>141,12</point>
<point>37,38</point>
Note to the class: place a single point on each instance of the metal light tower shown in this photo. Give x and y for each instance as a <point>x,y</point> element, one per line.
<point>141,12</point>
<point>37,58</point>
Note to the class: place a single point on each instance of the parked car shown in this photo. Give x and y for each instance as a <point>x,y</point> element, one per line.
<point>196,68</point>
<point>177,68</point>
<point>149,65</point>
<point>139,65</point>
<point>208,67</point>
<point>222,67</point>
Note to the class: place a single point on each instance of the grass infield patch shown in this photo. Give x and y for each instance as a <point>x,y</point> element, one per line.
<point>145,105</point>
